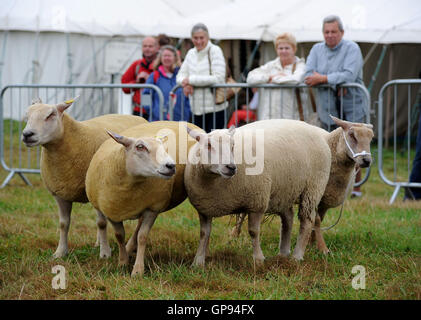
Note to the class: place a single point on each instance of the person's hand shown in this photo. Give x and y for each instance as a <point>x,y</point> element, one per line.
<point>141,77</point>
<point>342,92</point>
<point>185,82</point>
<point>188,90</point>
<point>315,79</point>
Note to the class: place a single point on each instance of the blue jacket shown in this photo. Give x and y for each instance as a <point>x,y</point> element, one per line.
<point>166,84</point>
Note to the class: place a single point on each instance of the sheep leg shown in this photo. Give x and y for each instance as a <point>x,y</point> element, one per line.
<point>239,219</point>
<point>307,216</point>
<point>64,211</point>
<point>205,230</point>
<point>255,220</point>
<point>102,240</point>
<point>120,234</point>
<point>321,244</point>
<point>142,236</point>
<point>285,232</point>
<point>132,243</point>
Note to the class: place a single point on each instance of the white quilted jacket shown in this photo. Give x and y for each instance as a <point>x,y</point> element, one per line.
<point>196,68</point>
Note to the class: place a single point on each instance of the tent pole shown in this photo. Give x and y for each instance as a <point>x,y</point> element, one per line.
<point>3,53</point>
<point>376,72</point>
<point>388,100</point>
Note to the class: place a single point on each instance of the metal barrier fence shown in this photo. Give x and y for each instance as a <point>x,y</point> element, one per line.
<point>99,99</point>
<point>400,177</point>
<point>94,100</point>
<point>284,101</point>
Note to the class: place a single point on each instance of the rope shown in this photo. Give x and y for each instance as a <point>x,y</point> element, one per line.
<point>350,183</point>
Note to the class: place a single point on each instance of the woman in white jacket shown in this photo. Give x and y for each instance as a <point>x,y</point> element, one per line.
<point>285,69</point>
<point>203,66</point>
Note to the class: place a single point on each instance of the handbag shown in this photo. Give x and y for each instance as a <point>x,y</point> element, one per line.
<point>223,94</point>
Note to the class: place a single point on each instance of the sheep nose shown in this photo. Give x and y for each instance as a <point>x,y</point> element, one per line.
<point>366,163</point>
<point>170,166</point>
<point>232,167</point>
<point>27,134</point>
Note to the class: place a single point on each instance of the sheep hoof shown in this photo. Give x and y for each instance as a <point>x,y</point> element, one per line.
<point>137,271</point>
<point>259,262</point>
<point>105,253</point>
<point>284,254</point>
<point>59,253</point>
<point>324,250</point>
<point>198,262</point>
<point>298,257</point>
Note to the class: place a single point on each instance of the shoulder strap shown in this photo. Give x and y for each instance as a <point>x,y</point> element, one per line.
<point>210,64</point>
<point>155,76</point>
<point>298,96</point>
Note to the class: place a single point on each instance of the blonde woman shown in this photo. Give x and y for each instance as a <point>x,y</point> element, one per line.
<point>203,66</point>
<point>166,67</point>
<point>285,69</point>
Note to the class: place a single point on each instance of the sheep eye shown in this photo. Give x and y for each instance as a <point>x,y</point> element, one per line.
<point>50,116</point>
<point>141,147</point>
<point>353,137</point>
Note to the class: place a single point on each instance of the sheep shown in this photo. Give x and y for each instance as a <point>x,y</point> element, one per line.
<point>67,149</point>
<point>344,162</point>
<point>120,186</point>
<point>350,147</point>
<point>296,170</point>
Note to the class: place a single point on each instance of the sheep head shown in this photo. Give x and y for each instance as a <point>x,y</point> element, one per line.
<point>214,151</point>
<point>146,156</point>
<point>44,122</point>
<point>358,136</point>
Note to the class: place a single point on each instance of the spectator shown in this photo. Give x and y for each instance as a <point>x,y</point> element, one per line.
<point>204,65</point>
<point>336,61</point>
<point>415,193</point>
<point>163,40</point>
<point>138,72</point>
<point>166,67</point>
<point>286,68</point>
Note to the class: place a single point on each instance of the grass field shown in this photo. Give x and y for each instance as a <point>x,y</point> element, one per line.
<point>384,239</point>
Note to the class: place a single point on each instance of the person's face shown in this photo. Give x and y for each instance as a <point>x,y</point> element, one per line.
<point>200,39</point>
<point>285,51</point>
<point>149,48</point>
<point>167,59</point>
<point>332,34</point>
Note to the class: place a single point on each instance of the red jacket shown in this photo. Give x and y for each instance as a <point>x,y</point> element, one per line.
<point>129,77</point>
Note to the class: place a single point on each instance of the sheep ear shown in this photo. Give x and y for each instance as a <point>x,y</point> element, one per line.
<point>36,100</point>
<point>64,105</point>
<point>120,139</point>
<point>342,123</point>
<point>194,134</point>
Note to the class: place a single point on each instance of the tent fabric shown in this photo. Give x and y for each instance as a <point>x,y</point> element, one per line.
<point>364,21</point>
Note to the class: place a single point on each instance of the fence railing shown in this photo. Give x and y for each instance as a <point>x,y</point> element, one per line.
<point>98,99</point>
<point>94,100</point>
<point>400,177</point>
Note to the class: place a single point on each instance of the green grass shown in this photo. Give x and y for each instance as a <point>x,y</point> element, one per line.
<point>385,239</point>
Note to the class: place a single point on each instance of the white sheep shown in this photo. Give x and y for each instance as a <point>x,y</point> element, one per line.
<point>67,149</point>
<point>125,181</point>
<point>296,170</point>
<point>350,147</point>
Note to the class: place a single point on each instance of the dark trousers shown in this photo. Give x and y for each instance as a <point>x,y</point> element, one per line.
<point>210,121</point>
<point>416,164</point>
